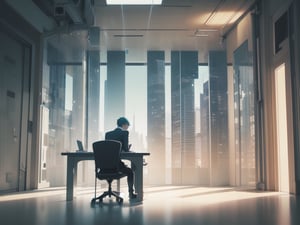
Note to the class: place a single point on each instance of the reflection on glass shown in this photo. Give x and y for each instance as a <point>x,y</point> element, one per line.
<point>63,101</point>
<point>244,116</point>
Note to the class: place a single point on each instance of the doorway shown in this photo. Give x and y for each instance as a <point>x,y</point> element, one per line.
<point>282,128</point>
<point>15,58</point>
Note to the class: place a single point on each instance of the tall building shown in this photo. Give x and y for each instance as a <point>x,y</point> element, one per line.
<point>184,69</point>
<point>156,116</point>
<point>218,119</point>
<point>204,133</point>
<point>114,103</point>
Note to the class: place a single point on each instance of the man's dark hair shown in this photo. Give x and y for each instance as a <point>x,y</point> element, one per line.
<point>122,121</point>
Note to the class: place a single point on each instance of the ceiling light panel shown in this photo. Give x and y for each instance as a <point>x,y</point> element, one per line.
<point>133,2</point>
<point>220,18</point>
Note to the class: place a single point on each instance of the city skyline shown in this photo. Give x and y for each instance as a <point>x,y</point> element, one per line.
<point>136,82</point>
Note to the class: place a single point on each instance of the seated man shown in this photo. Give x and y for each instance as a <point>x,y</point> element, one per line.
<point>121,134</point>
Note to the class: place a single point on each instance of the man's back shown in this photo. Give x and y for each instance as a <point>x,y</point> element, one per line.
<point>119,135</point>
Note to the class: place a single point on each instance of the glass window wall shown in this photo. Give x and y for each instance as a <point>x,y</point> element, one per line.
<point>66,107</point>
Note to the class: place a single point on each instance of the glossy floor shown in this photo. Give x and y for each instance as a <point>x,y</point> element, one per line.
<point>167,205</point>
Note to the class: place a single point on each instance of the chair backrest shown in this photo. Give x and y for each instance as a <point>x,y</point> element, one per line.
<point>107,155</point>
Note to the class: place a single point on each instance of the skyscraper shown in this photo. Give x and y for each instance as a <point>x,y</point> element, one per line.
<point>184,69</point>
<point>156,115</point>
<point>114,88</point>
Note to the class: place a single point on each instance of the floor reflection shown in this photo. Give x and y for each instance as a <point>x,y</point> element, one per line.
<point>167,205</point>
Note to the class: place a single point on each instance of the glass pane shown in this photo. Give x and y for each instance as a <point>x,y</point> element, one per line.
<point>63,116</point>
<point>244,116</point>
<point>187,154</point>
<point>136,105</point>
<point>202,124</point>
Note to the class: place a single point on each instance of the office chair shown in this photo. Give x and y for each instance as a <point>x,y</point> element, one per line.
<point>107,158</point>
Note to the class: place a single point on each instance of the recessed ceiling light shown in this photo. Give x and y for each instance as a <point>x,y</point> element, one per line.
<point>204,32</point>
<point>133,2</point>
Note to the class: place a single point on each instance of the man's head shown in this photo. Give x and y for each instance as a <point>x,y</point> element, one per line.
<point>123,122</point>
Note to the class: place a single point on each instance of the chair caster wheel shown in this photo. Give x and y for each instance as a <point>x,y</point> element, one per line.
<point>93,202</point>
<point>120,200</point>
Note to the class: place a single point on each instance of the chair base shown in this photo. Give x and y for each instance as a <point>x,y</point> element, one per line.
<point>108,193</point>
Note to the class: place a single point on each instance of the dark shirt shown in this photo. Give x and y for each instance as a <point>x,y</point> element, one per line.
<point>119,135</point>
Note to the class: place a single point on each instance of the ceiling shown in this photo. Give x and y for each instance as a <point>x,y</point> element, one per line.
<point>136,29</point>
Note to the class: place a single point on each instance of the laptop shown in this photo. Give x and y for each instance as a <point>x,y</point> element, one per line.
<point>80,146</point>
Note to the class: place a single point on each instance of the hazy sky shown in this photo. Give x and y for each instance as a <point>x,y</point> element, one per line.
<point>136,95</point>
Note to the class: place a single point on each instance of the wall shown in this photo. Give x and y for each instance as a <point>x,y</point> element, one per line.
<point>10,19</point>
<point>241,33</point>
<point>297,105</point>
<point>270,10</point>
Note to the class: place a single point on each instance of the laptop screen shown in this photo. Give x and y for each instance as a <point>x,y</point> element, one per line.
<point>79,145</point>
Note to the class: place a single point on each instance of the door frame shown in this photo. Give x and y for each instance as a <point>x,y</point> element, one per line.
<point>279,58</point>
<point>26,127</point>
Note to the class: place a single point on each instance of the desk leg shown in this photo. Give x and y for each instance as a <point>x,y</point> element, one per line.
<point>75,163</point>
<point>118,185</point>
<point>70,179</point>
<point>138,177</point>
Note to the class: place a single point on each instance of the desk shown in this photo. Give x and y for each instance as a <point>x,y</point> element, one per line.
<point>73,158</point>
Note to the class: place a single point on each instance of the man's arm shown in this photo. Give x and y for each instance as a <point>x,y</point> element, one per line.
<point>125,141</point>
